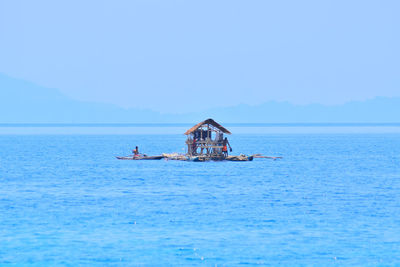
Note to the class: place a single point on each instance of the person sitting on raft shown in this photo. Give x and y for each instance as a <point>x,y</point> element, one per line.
<point>225,147</point>
<point>136,152</point>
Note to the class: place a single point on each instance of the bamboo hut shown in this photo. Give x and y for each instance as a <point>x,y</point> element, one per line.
<point>205,139</point>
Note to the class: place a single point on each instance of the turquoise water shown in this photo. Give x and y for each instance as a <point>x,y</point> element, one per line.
<point>332,200</point>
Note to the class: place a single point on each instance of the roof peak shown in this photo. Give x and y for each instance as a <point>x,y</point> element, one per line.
<point>208,121</point>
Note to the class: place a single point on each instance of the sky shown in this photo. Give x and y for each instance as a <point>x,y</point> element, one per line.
<point>177,56</point>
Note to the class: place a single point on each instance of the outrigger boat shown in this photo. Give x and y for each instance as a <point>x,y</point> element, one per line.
<point>141,157</point>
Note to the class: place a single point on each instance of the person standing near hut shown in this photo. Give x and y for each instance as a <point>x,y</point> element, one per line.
<point>194,146</point>
<point>225,145</point>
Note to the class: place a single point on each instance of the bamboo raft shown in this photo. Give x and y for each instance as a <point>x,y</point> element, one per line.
<point>181,157</point>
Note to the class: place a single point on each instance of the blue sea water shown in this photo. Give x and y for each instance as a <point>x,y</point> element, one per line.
<point>334,199</point>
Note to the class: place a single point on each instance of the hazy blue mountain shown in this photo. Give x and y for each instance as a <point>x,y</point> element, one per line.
<point>380,109</point>
<point>24,102</point>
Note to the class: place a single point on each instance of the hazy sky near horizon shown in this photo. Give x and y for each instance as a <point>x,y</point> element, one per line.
<point>178,55</point>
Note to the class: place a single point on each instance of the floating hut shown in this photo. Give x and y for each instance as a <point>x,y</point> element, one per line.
<point>205,140</point>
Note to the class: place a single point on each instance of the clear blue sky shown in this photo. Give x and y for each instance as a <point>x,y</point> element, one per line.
<point>176,55</point>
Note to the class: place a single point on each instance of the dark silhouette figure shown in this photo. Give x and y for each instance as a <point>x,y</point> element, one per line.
<point>225,145</point>
<point>136,151</point>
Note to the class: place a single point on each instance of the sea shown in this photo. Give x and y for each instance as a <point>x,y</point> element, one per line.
<point>333,199</point>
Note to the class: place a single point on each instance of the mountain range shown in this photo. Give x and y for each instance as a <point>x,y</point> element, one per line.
<point>25,102</point>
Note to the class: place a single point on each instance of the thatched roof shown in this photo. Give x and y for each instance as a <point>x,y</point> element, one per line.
<point>208,121</point>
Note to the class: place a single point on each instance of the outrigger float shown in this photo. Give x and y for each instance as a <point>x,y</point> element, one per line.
<point>205,142</point>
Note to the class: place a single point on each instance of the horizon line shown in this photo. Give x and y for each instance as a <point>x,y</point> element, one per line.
<point>229,124</point>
